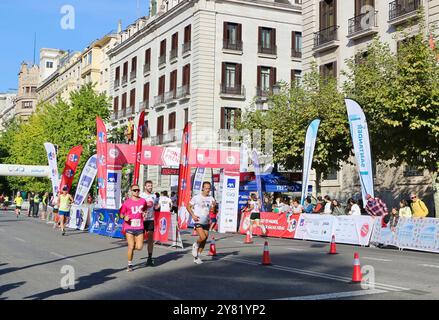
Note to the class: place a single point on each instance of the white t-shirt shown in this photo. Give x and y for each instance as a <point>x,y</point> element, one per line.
<point>327,208</point>
<point>355,210</point>
<point>165,204</point>
<point>298,209</point>
<point>255,206</point>
<point>201,206</point>
<point>150,201</point>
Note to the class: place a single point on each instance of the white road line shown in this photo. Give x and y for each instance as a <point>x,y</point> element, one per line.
<point>295,249</point>
<point>19,239</point>
<point>376,259</point>
<point>158,292</point>
<point>61,256</point>
<point>336,295</point>
<point>429,265</point>
<point>314,274</point>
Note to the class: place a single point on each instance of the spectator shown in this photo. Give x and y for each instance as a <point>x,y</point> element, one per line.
<point>353,208</point>
<point>404,209</point>
<point>320,205</point>
<point>296,207</point>
<point>419,209</point>
<point>277,206</point>
<point>31,204</point>
<point>327,209</point>
<point>376,206</point>
<point>308,205</point>
<point>362,208</point>
<point>267,203</point>
<point>392,219</point>
<point>336,208</point>
<point>174,202</point>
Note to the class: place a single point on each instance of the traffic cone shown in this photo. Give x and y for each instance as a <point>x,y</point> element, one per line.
<point>356,274</point>
<point>248,238</point>
<point>333,249</point>
<point>266,256</point>
<point>212,250</point>
<point>194,233</point>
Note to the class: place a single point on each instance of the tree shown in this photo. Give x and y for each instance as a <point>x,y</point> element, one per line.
<point>291,112</point>
<point>399,93</point>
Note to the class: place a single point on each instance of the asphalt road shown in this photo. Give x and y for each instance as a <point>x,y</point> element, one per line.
<point>33,256</point>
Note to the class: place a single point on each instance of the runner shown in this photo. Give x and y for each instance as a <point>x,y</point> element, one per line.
<point>18,203</point>
<point>255,216</point>
<point>45,201</point>
<point>164,203</point>
<point>148,218</point>
<point>132,212</point>
<point>64,202</point>
<point>199,208</point>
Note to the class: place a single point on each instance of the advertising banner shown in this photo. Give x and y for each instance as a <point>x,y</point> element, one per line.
<point>315,227</point>
<point>101,147</point>
<point>162,226</point>
<point>353,229</point>
<point>139,147</point>
<point>198,181</point>
<point>69,171</point>
<point>106,222</point>
<point>228,213</point>
<point>114,188</point>
<point>78,217</point>
<point>86,180</point>
<point>278,225</point>
<point>53,166</point>
<point>310,142</point>
<point>258,178</point>
<point>184,178</point>
<point>360,140</point>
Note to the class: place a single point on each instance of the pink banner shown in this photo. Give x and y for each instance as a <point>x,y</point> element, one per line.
<point>162,224</point>
<point>184,178</point>
<point>101,146</point>
<point>138,147</point>
<point>278,225</point>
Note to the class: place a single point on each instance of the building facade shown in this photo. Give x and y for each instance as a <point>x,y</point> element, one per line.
<point>26,101</point>
<point>7,108</point>
<point>336,30</point>
<point>202,61</point>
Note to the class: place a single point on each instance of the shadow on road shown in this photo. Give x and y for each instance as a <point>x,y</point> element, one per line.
<point>10,286</point>
<point>85,282</point>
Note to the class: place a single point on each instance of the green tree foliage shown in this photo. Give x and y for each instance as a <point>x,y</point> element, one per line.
<point>65,124</point>
<point>289,115</point>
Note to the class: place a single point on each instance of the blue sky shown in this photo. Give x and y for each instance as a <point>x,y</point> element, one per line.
<point>20,19</point>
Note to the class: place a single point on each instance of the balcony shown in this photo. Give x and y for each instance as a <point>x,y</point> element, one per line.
<point>158,100</point>
<point>183,91</point>
<point>268,52</point>
<point>186,48</point>
<point>162,60</point>
<point>326,39</point>
<point>171,96</point>
<point>116,84</point>
<point>113,116</point>
<point>121,113</point>
<point>402,10</point>
<point>363,25</point>
<point>146,69</point>
<point>232,45</point>
<point>133,75</point>
<point>130,111</point>
<point>235,92</point>
<point>296,54</point>
<point>124,79</point>
<point>173,54</point>
<point>143,105</point>
<point>171,136</point>
<point>263,92</point>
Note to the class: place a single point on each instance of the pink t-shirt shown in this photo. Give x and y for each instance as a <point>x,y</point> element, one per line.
<point>134,210</point>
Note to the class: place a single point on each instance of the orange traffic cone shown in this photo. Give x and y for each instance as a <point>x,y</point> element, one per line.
<point>248,238</point>
<point>356,274</point>
<point>333,249</point>
<point>194,233</point>
<point>266,255</point>
<point>212,251</point>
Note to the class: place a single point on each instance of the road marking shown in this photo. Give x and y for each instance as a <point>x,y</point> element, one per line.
<point>336,295</point>
<point>158,292</point>
<point>295,249</point>
<point>19,239</point>
<point>314,274</point>
<point>61,256</point>
<point>376,259</point>
<point>430,265</point>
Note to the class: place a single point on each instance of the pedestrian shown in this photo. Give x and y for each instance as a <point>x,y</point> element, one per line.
<point>174,202</point>
<point>2,200</point>
<point>36,205</point>
<point>336,208</point>
<point>320,205</point>
<point>18,203</point>
<point>308,205</point>
<point>392,219</point>
<point>132,212</point>
<point>255,215</point>
<point>31,203</point>
<point>419,209</point>
<point>6,203</point>
<point>64,202</point>
<point>353,209</point>
<point>164,203</point>
<point>199,208</point>
<point>277,206</point>
<point>375,206</point>
<point>296,207</point>
<point>327,208</point>
<point>45,202</point>
<point>213,217</point>
<point>404,209</point>
<point>267,203</point>
<point>148,218</point>
<point>89,199</point>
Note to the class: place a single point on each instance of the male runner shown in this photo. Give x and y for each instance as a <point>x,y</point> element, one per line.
<point>148,218</point>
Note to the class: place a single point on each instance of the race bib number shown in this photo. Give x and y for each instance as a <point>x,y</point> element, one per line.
<point>135,223</point>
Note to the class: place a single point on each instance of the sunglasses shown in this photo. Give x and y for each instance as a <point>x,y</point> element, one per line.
<point>135,190</point>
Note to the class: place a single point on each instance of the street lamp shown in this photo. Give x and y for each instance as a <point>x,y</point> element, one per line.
<point>276,88</point>
<point>259,104</point>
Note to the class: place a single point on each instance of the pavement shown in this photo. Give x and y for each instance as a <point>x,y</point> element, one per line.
<point>35,261</point>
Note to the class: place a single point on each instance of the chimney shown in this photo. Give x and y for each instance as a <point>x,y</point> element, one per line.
<point>119,26</point>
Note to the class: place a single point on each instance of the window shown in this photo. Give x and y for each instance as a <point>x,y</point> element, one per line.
<point>171,122</point>
<point>296,77</point>
<point>33,89</point>
<point>173,81</point>
<point>331,175</point>
<point>231,78</point>
<point>174,45</point>
<point>329,70</point>
<point>265,78</point>
<point>124,101</point>
<point>146,92</point>
<point>267,40</point>
<point>148,56</point>
<point>363,6</point>
<point>328,13</point>
<point>125,69</point>
<point>115,104</point>
<point>146,130</point>
<point>296,44</point>
<point>186,116</point>
<point>163,47</point>
<point>229,117</point>
<point>132,98</point>
<point>49,64</point>
<point>232,36</point>
<point>27,105</point>
<point>117,74</point>
<point>186,75</point>
<point>134,64</point>
<point>160,122</point>
<point>187,34</point>
<point>89,58</point>
<point>161,85</point>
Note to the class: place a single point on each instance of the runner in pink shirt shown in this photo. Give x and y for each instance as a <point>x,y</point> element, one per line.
<point>132,212</point>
